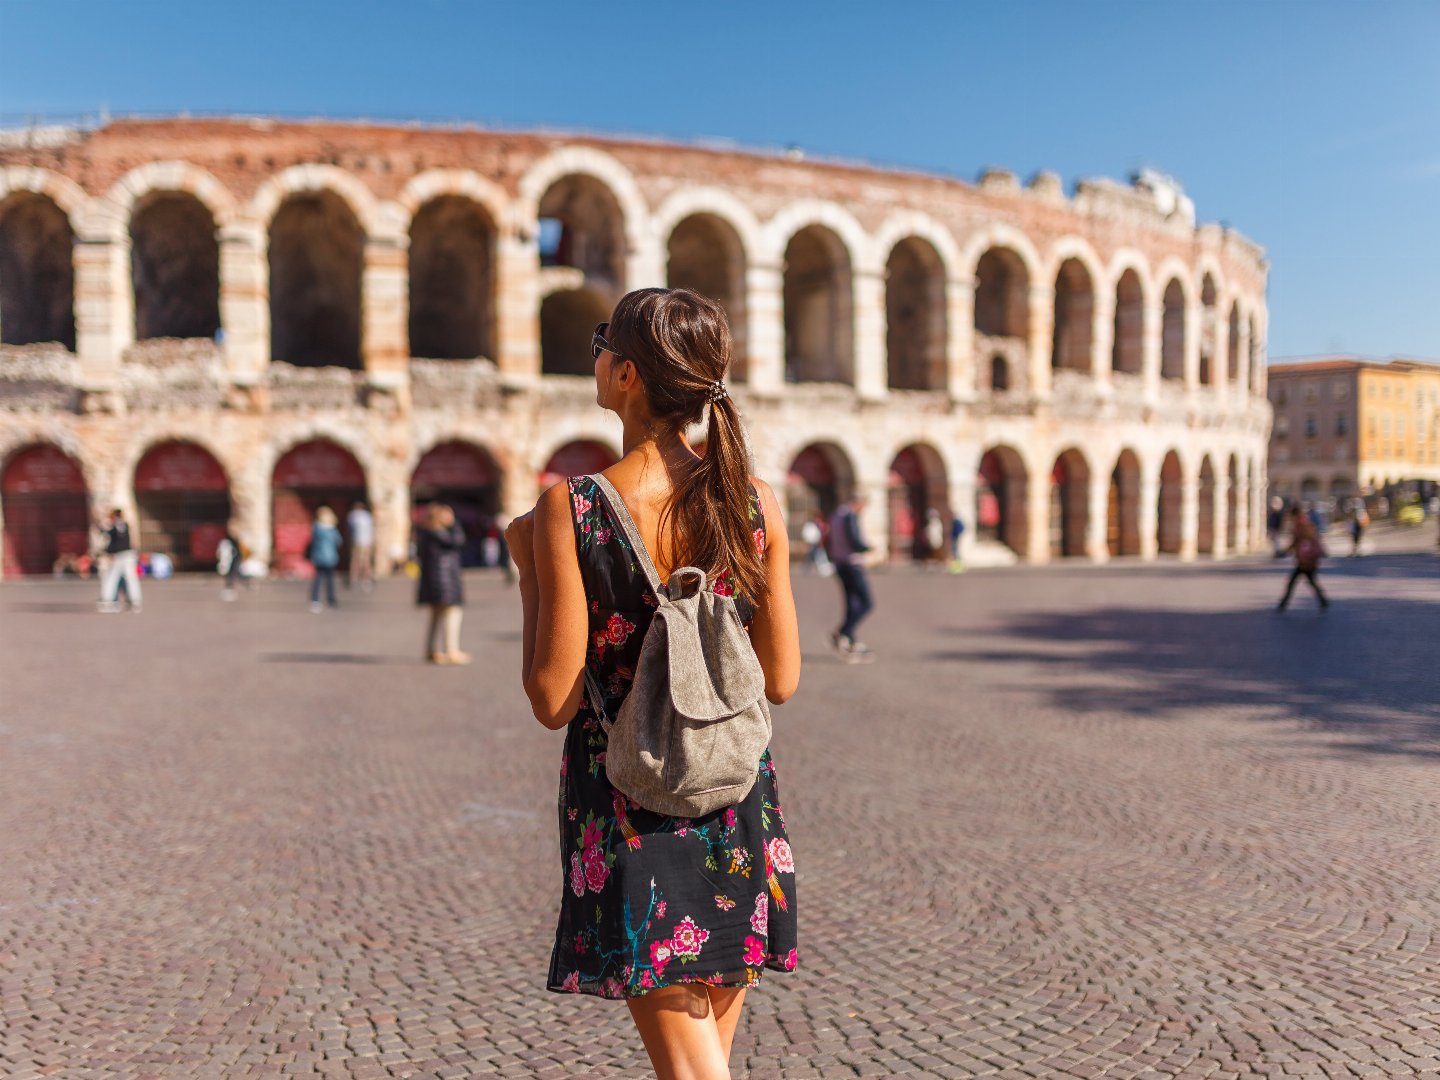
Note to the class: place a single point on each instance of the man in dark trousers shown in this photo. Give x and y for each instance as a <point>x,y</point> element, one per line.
<point>847,552</point>
<point>122,565</point>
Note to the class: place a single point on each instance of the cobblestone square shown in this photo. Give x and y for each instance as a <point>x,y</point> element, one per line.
<point>1123,822</point>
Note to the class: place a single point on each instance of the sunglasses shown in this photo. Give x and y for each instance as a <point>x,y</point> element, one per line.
<point>599,344</point>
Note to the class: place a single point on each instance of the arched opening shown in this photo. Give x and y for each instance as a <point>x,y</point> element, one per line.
<point>46,509</point>
<point>452,280</point>
<point>174,267</point>
<point>705,254</point>
<point>1232,350</point>
<point>1069,504</point>
<point>1074,314</point>
<point>999,374</point>
<point>465,478</point>
<point>583,229</point>
<point>1127,354</point>
<point>1167,532</point>
<point>37,272</point>
<point>1000,493</point>
<point>819,338</point>
<point>918,491</point>
<point>313,474</point>
<point>1002,295</point>
<point>819,479</point>
<point>183,500</point>
<point>1122,532</point>
<point>1205,528</point>
<point>1257,377</point>
<point>915,328</point>
<point>317,252</point>
<point>1209,331</point>
<point>579,458</point>
<point>1172,332</point>
<point>567,322</point>
<point>1232,506</point>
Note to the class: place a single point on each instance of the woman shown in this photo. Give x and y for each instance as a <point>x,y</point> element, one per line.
<point>1305,545</point>
<point>323,552</point>
<point>675,916</point>
<point>437,550</point>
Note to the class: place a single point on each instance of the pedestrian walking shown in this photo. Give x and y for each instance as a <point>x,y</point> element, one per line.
<point>361,524</point>
<point>676,916</point>
<point>1306,547</point>
<point>1275,525</point>
<point>121,568</point>
<point>934,537</point>
<point>229,561</point>
<point>440,587</point>
<point>847,552</point>
<point>1359,522</point>
<point>323,553</point>
<point>812,535</point>
<point>957,545</point>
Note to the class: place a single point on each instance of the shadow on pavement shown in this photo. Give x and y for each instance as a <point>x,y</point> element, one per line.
<point>328,658</point>
<point>1363,669</point>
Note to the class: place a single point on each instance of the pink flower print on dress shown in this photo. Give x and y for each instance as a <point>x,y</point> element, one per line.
<point>781,855</point>
<point>592,835</point>
<point>688,938</point>
<point>603,535</point>
<point>760,921</point>
<point>647,981</point>
<point>572,982</point>
<point>577,875</point>
<point>791,959</point>
<point>722,585</point>
<point>754,950</point>
<point>660,954</point>
<point>618,629</point>
<point>660,910</point>
<point>596,872</point>
<point>582,507</point>
<point>760,541</point>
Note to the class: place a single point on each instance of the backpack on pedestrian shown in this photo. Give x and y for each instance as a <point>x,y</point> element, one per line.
<point>688,737</point>
<point>1308,552</point>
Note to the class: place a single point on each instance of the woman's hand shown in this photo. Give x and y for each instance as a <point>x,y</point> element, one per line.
<point>520,537</point>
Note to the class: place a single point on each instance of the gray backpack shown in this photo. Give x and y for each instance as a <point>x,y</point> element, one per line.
<point>688,737</point>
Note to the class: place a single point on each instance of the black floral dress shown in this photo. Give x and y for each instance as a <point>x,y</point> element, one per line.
<point>652,901</point>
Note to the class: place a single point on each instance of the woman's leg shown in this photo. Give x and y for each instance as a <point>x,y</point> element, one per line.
<point>726,1002</point>
<point>681,1032</point>
<point>453,614</point>
<point>432,635</point>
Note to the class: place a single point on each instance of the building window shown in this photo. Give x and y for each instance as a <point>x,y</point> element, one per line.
<point>1340,390</point>
<point>1342,424</point>
<point>1309,453</point>
<point>1341,453</point>
<point>1311,427</point>
<point>1281,398</point>
<point>1309,394</point>
<point>1282,427</point>
<point>1282,453</point>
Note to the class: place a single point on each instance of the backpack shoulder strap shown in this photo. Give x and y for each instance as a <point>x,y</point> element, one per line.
<point>622,514</point>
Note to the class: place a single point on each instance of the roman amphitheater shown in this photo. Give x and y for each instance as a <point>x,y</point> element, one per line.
<point>214,319</point>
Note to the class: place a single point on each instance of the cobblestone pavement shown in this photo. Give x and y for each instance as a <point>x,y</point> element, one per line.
<point>1081,822</point>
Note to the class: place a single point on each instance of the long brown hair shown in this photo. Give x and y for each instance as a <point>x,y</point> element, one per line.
<point>680,342</point>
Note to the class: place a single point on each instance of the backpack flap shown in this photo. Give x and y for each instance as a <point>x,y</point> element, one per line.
<point>714,672</point>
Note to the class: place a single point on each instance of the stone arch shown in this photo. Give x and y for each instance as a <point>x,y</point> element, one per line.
<point>916,325</point>
<point>1170,499</point>
<point>1069,504</point>
<point>1074,249</point>
<point>315,179</point>
<point>45,508</point>
<point>901,224</point>
<point>37,268</point>
<point>309,473</point>
<point>1205,517</point>
<point>818,478</point>
<point>465,476</point>
<point>706,253</point>
<point>1001,499</point>
<point>584,234</point>
<point>1172,330</point>
<point>1002,294</point>
<point>317,253</point>
<point>453,280</point>
<point>1122,531</point>
<point>567,321</point>
<point>1127,350</point>
<point>780,230</point>
<point>163,177</point>
<point>577,456</point>
<point>174,265</point>
<point>182,501</point>
<point>433,184</point>
<point>917,486</point>
<point>1074,316</point>
<point>1209,329</point>
<point>583,161</point>
<point>818,299</point>
<point>1000,235</point>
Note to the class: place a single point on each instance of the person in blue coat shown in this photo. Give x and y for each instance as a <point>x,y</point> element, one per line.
<point>323,552</point>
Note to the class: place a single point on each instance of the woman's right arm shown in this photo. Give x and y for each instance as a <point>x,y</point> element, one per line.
<point>774,631</point>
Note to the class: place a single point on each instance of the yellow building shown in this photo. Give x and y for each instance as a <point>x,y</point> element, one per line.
<point>1345,426</point>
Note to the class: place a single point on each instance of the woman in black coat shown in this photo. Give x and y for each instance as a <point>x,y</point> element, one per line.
<point>437,550</point>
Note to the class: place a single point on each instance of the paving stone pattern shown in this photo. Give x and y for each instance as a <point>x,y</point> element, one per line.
<point>1120,822</point>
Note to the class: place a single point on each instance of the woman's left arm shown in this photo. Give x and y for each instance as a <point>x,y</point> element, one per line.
<point>556,624</point>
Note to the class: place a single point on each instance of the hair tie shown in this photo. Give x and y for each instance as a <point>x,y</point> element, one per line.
<point>716,392</point>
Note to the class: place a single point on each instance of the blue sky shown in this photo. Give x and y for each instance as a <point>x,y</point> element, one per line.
<point>1312,127</point>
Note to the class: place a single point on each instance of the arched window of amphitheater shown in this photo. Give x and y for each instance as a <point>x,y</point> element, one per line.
<point>1127,353</point>
<point>1002,295</point>
<point>1209,331</point>
<point>452,280</point>
<point>582,275</point>
<point>174,267</point>
<point>704,253</point>
<point>915,316</point>
<point>1172,332</point>
<point>999,374</point>
<point>819,337</point>
<point>316,260</point>
<point>1256,375</point>
<point>1074,312</point>
<point>37,275</point>
<point>1232,346</point>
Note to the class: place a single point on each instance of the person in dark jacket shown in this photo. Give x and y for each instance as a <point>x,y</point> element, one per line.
<point>847,551</point>
<point>120,571</point>
<point>437,550</point>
